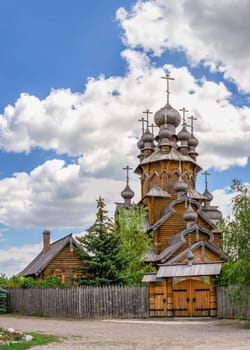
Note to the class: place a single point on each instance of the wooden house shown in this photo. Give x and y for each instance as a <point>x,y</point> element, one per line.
<point>56,259</point>
<point>186,245</point>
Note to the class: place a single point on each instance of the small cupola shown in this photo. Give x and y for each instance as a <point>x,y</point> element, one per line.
<point>208,195</point>
<point>190,216</point>
<point>180,187</point>
<point>127,194</point>
<point>164,138</point>
<point>193,141</point>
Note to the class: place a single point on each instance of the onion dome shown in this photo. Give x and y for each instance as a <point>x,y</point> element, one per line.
<point>140,144</point>
<point>180,186</point>
<point>190,215</point>
<point>127,194</point>
<point>147,136</point>
<point>167,114</point>
<point>184,135</point>
<point>193,142</point>
<point>208,195</point>
<point>165,133</point>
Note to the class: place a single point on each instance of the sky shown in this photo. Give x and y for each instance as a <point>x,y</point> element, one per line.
<point>75,77</point>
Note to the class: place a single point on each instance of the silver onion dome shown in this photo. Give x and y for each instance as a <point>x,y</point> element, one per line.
<point>190,215</point>
<point>147,136</point>
<point>127,193</point>
<point>165,133</point>
<point>140,144</point>
<point>193,141</point>
<point>184,134</point>
<point>167,114</point>
<point>208,195</point>
<point>180,185</point>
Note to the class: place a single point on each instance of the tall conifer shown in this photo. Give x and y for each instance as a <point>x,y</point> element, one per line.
<point>102,263</point>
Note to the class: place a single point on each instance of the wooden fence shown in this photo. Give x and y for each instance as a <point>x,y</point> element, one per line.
<point>107,302</point>
<point>81,302</point>
<point>228,305</point>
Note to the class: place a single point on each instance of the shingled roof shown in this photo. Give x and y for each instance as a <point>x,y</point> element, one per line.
<point>41,261</point>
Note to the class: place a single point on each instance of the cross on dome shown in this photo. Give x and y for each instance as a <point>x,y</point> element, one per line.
<point>143,120</point>
<point>167,77</point>
<point>206,174</point>
<point>147,112</point>
<point>127,168</point>
<point>152,126</point>
<point>184,111</point>
<point>192,118</point>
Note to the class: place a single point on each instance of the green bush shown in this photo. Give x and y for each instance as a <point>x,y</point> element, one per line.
<point>29,282</point>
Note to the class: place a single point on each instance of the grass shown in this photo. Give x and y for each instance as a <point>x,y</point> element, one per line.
<point>38,339</point>
<point>247,324</point>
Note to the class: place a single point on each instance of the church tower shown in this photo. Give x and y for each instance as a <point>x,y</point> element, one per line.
<point>186,245</point>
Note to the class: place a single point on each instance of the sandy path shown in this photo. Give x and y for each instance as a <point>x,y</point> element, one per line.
<point>136,334</point>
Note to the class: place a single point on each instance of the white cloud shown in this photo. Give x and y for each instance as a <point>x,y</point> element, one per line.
<point>223,198</point>
<point>100,127</point>
<point>14,259</point>
<point>55,195</point>
<point>101,124</point>
<point>214,33</point>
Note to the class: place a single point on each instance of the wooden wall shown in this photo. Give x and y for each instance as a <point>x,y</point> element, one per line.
<point>63,265</point>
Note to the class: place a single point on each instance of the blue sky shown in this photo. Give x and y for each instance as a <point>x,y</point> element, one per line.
<point>75,77</point>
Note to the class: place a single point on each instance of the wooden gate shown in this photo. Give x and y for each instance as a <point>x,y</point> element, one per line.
<point>191,298</point>
<point>158,299</point>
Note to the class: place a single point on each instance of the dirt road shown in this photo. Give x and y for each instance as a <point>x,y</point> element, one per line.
<point>136,334</point>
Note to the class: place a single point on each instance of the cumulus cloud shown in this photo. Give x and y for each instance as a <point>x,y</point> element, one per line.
<point>14,259</point>
<point>214,33</point>
<point>100,125</point>
<point>223,198</point>
<point>54,195</point>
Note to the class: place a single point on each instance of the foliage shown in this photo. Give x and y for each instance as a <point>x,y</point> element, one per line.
<point>29,282</point>
<point>14,340</point>
<point>236,239</point>
<point>49,282</point>
<point>135,243</point>
<point>102,263</point>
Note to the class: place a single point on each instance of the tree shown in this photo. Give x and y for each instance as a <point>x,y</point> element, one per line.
<point>236,238</point>
<point>101,260</point>
<point>135,243</point>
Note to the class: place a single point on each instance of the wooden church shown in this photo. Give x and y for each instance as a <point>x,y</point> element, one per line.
<point>186,247</point>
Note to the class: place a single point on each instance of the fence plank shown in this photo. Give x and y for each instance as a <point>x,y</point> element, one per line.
<point>82,302</point>
<point>229,307</point>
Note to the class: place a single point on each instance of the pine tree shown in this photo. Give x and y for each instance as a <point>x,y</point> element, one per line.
<point>101,261</point>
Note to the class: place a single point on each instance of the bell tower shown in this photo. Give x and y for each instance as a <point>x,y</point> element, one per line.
<point>167,164</point>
